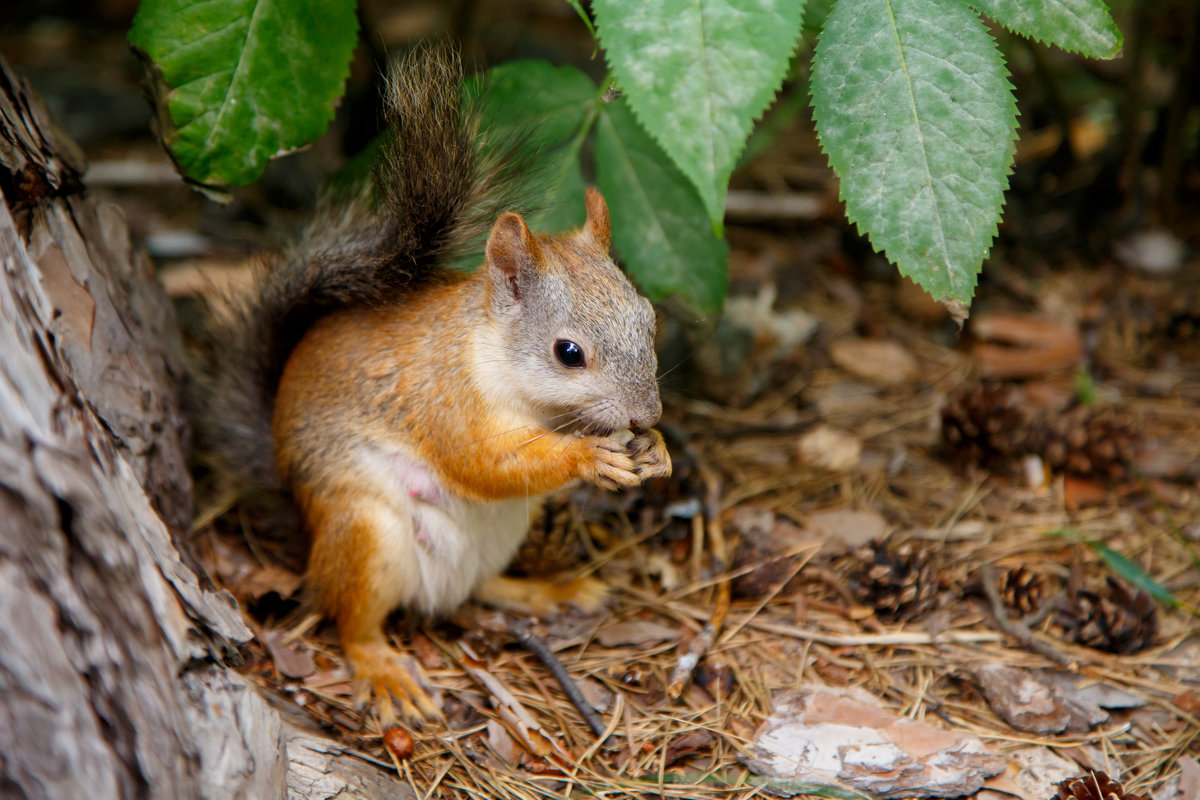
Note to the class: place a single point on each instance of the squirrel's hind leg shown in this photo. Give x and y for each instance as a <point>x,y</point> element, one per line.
<point>362,566</point>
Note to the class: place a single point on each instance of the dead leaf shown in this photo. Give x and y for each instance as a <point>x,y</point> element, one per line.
<point>636,633</point>
<point>1030,345</point>
<point>599,696</point>
<point>246,578</point>
<point>849,529</point>
<point>842,737</point>
<point>294,659</point>
<point>1188,701</point>
<point>874,359</point>
<point>688,744</point>
<point>1078,493</point>
<point>828,448</point>
<point>501,743</point>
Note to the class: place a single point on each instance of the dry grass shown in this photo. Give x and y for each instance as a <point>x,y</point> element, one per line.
<point>511,732</point>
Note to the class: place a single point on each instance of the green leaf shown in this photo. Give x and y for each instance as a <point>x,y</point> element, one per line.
<point>551,109</point>
<point>1081,26</point>
<point>1128,570</point>
<point>915,112</point>
<point>244,80</point>
<point>658,221</point>
<point>1132,573</point>
<point>697,73</point>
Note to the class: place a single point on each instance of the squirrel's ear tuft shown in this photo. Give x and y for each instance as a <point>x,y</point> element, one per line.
<point>511,251</point>
<point>597,228</point>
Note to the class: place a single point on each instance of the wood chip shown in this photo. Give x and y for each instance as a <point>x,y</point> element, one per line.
<point>844,738</point>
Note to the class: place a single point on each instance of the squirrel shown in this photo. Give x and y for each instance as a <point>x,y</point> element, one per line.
<point>412,410</point>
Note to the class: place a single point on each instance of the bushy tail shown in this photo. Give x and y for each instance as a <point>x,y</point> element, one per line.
<point>440,191</point>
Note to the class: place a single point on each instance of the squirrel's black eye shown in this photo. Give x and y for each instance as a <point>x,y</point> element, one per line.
<point>568,353</point>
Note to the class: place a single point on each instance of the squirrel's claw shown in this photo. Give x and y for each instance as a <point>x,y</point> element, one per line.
<point>650,456</point>
<point>612,467</point>
<point>383,674</point>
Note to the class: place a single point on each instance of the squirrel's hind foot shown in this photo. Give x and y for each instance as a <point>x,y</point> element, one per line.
<point>542,596</point>
<point>382,673</point>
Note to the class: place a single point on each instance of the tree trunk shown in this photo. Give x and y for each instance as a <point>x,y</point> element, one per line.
<point>115,669</point>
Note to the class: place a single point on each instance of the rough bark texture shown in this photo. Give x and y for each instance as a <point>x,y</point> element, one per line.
<point>114,669</point>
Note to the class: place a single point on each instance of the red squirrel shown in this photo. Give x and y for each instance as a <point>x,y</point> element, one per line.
<point>413,411</point>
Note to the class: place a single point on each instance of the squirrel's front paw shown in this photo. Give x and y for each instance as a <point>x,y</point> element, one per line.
<point>611,466</point>
<point>649,454</point>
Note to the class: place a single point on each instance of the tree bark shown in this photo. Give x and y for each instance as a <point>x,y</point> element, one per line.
<point>116,674</point>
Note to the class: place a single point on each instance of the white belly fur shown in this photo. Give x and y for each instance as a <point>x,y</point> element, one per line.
<point>457,543</point>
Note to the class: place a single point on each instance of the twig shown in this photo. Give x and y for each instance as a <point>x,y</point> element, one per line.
<point>1036,617</point>
<point>1017,629</point>
<point>523,631</point>
<point>757,206</point>
<point>886,639</point>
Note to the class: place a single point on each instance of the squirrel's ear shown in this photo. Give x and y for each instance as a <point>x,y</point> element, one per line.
<point>597,228</point>
<point>511,251</point>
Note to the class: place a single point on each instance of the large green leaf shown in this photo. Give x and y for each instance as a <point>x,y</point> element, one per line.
<point>657,218</point>
<point>1082,26</point>
<point>915,112</point>
<point>550,109</point>
<point>697,73</point>
<point>244,80</point>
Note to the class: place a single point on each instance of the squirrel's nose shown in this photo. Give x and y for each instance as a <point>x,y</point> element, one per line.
<point>646,414</point>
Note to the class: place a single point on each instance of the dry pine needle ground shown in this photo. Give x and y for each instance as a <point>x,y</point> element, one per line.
<point>861,566</point>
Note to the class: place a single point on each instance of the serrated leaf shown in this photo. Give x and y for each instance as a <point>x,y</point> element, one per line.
<point>658,221</point>
<point>245,80</point>
<point>551,109</point>
<point>1081,26</point>
<point>697,73</point>
<point>915,112</point>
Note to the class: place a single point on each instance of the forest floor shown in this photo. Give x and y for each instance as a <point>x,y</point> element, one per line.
<point>891,552</point>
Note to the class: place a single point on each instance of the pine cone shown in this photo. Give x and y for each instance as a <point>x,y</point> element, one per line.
<point>1116,620</point>
<point>1023,591</point>
<point>985,424</point>
<point>1089,445</point>
<point>1094,786</point>
<point>553,544</point>
<point>900,583</point>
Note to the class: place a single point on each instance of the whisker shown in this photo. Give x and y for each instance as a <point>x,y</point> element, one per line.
<point>543,433</point>
<point>677,365</point>
<point>500,433</point>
